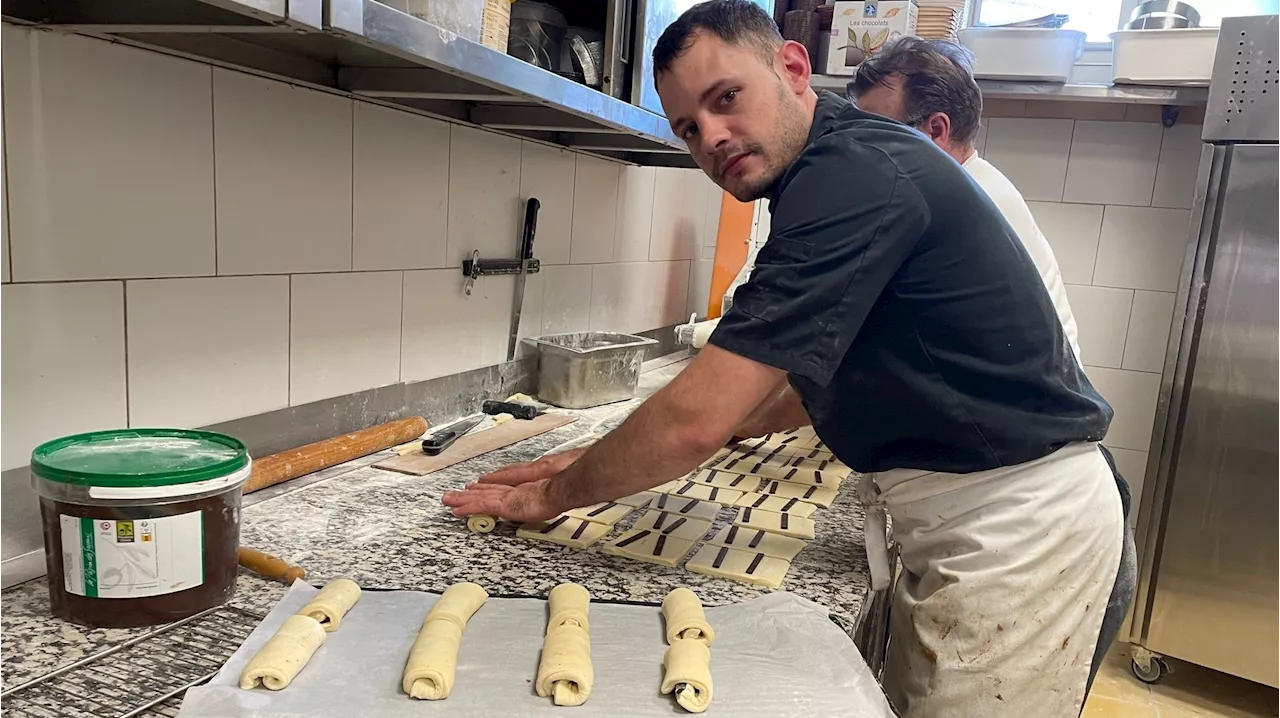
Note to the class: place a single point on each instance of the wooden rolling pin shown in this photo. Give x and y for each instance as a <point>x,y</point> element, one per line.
<point>271,470</point>
<point>264,564</point>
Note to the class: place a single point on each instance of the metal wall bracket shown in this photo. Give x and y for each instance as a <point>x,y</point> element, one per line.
<point>476,267</point>
<point>1169,115</point>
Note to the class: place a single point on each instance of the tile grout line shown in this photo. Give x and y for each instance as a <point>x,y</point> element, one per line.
<point>213,147</point>
<point>124,305</point>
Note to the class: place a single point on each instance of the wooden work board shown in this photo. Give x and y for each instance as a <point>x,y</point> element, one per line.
<point>473,445</point>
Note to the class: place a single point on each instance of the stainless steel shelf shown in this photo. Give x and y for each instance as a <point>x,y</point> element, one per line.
<point>1002,90</point>
<point>366,49</point>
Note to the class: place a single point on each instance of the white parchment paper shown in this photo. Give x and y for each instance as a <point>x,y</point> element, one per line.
<point>777,655</point>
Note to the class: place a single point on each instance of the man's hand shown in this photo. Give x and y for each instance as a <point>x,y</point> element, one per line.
<point>523,504</point>
<point>524,472</point>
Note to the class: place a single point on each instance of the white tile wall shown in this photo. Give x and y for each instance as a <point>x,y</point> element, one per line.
<point>1179,162</point>
<point>283,159</point>
<point>344,333</point>
<point>444,331</point>
<point>1072,231</point>
<point>1142,248</point>
<point>203,351</point>
<point>1149,331</point>
<point>1102,316</point>
<point>700,272</point>
<point>566,302</point>
<point>595,210</point>
<point>1032,153</point>
<point>1132,465</point>
<point>64,363</point>
<point>635,214</point>
<point>485,206</point>
<point>548,174</point>
<point>1113,162</point>
<point>679,214</point>
<point>110,160</point>
<point>1119,236</point>
<point>1132,394</point>
<point>630,297</point>
<point>400,189</point>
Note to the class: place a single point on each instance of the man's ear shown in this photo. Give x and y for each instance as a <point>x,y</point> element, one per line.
<point>793,64</point>
<point>938,127</point>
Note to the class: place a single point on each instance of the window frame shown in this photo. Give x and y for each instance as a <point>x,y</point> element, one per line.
<point>1126,9</point>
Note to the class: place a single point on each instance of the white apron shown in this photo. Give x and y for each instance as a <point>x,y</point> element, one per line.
<point>1006,577</point>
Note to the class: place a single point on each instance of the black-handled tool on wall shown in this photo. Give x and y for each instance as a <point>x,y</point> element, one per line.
<point>476,267</point>
<point>526,256</point>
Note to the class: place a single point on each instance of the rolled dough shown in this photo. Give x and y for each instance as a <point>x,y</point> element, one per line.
<point>682,612</point>
<point>433,660</point>
<point>785,524</point>
<point>607,513</point>
<point>565,531</point>
<point>736,565</point>
<point>332,603</point>
<point>688,674</point>
<point>285,655</point>
<point>481,524</point>
<point>756,540</point>
<point>693,508</point>
<point>564,670</point>
<point>776,504</point>
<point>725,480</point>
<point>650,546</point>
<point>673,525</point>
<point>568,605</point>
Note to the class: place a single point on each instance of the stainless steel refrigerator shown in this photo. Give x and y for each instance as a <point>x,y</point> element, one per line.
<point>1207,539</point>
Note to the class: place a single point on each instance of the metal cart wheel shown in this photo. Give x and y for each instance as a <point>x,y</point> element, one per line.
<point>1147,666</point>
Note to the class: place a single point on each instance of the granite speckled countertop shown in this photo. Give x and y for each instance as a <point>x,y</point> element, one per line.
<point>389,530</point>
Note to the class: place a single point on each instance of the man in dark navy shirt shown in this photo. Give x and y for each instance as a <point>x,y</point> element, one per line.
<point>909,319</point>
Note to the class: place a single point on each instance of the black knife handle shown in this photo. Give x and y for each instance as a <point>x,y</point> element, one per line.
<point>530,227</point>
<point>437,444</point>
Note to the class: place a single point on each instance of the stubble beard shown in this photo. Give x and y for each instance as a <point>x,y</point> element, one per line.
<point>792,136</point>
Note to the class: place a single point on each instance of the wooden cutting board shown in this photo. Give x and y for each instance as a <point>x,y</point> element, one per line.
<point>473,445</point>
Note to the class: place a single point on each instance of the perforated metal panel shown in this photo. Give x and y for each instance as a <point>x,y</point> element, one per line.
<point>1244,94</point>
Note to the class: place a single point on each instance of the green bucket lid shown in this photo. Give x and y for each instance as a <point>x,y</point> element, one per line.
<point>135,458</point>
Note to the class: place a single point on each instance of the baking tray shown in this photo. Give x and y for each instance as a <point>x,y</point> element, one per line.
<point>774,655</point>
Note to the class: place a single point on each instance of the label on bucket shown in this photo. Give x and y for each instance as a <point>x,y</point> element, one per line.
<point>102,558</point>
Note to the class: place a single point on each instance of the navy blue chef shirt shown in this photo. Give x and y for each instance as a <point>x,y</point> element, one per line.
<point>910,319</point>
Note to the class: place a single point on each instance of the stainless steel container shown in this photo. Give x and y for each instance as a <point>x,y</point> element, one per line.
<point>585,369</point>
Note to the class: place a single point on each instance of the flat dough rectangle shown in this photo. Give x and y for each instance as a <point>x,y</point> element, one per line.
<point>703,492</point>
<point>673,525</point>
<point>760,446</point>
<point>565,531</point>
<point>819,495</point>
<point>784,468</point>
<point>650,546</point>
<point>637,500</point>
<point>776,504</point>
<point>609,513</point>
<point>736,565</point>
<point>693,508</point>
<point>758,541</point>
<point>725,480</point>
<point>785,524</point>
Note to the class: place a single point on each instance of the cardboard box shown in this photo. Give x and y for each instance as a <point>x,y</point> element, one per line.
<point>859,29</point>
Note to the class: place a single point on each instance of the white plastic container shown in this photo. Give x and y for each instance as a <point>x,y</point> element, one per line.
<point>1164,57</point>
<point>1023,53</point>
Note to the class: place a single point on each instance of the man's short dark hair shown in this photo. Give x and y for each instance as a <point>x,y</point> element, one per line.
<point>733,21</point>
<point>935,75</point>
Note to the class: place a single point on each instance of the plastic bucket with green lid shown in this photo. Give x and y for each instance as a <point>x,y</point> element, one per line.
<point>141,526</point>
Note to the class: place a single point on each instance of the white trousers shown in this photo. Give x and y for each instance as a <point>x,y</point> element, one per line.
<point>1007,575</point>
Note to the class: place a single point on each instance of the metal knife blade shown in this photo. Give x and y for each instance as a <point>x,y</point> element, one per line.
<point>526,253</point>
